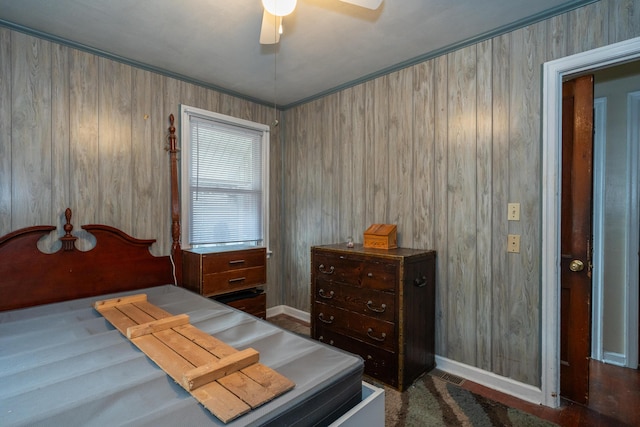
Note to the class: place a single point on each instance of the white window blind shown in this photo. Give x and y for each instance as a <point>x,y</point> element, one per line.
<point>226,180</point>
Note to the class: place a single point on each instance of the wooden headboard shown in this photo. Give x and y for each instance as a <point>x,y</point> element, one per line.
<point>117,263</point>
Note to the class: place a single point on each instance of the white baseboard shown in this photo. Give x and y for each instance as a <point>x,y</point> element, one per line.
<point>612,358</point>
<point>289,311</point>
<point>506,385</point>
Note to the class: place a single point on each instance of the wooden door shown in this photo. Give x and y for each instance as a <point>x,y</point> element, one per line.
<point>575,299</point>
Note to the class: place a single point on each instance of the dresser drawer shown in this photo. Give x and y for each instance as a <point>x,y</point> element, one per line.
<point>249,302</point>
<point>233,280</point>
<point>366,329</point>
<point>378,363</point>
<point>353,270</point>
<point>236,260</point>
<point>376,304</point>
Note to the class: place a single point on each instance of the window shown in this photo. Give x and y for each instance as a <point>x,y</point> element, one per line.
<point>224,180</point>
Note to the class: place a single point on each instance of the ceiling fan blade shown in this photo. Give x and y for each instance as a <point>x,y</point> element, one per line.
<point>270,32</point>
<point>369,4</point>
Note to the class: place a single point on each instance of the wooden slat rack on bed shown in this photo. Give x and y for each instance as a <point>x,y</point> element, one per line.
<point>226,381</point>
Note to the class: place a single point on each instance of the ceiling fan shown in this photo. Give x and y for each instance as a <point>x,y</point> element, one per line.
<point>274,10</point>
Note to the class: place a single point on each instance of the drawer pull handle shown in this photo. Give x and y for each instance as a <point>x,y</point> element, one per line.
<point>380,309</point>
<point>421,283</point>
<point>237,279</point>
<point>324,271</point>
<point>236,261</point>
<point>369,274</point>
<point>373,337</point>
<point>325,296</point>
<point>323,320</point>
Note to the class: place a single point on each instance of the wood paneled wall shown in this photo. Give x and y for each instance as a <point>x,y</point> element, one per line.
<point>82,131</point>
<point>439,149</point>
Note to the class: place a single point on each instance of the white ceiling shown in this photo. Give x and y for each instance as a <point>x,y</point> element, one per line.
<point>326,44</point>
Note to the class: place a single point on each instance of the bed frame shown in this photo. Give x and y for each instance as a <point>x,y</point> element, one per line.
<point>117,263</point>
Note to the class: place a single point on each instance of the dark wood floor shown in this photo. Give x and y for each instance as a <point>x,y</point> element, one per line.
<point>614,393</point>
<point>614,400</point>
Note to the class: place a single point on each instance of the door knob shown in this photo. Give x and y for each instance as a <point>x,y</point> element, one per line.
<point>576,265</point>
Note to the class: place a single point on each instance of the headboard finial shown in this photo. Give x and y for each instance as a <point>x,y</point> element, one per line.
<point>68,241</point>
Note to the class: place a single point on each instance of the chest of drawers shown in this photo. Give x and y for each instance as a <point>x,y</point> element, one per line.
<point>379,304</point>
<point>224,273</point>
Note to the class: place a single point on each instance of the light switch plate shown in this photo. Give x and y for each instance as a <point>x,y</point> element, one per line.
<point>513,243</point>
<point>513,211</point>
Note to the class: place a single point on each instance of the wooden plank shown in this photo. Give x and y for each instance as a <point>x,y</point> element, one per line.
<point>484,212</point>
<point>217,369</point>
<point>157,325</point>
<point>115,197</point>
<point>152,310</point>
<point>401,154</point>
<point>117,318</point>
<point>113,302</point>
<point>461,223</point>
<point>246,389</point>
<point>83,141</point>
<point>220,401</point>
<point>380,182</point>
<point>30,130</point>
<point>424,155</point>
<point>5,131</point>
<point>60,196</point>
<point>269,378</point>
<point>206,341</point>
<point>500,352</point>
<point>163,356</point>
<point>524,164</point>
<point>135,313</point>
<point>143,167</point>
<point>191,351</point>
<point>331,183</point>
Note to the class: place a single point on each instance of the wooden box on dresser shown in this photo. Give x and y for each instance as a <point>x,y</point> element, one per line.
<point>378,303</point>
<point>228,274</point>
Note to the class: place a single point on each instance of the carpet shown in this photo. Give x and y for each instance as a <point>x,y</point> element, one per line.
<point>432,401</point>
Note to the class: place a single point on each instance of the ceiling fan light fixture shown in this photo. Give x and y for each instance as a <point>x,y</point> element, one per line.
<point>279,7</point>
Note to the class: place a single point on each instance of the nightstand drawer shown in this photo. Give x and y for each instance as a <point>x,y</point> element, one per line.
<point>248,301</point>
<point>234,280</point>
<point>216,271</point>
<point>236,260</point>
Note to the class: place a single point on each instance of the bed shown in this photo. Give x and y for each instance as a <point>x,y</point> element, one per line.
<point>63,363</point>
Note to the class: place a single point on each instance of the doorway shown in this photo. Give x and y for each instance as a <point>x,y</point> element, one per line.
<point>554,72</point>
<point>616,228</point>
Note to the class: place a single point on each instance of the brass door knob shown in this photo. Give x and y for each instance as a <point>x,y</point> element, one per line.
<point>576,265</point>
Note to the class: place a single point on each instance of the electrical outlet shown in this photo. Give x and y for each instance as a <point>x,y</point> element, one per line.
<point>513,212</point>
<point>513,243</point>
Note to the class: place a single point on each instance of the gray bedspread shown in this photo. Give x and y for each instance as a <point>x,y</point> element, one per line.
<point>65,365</point>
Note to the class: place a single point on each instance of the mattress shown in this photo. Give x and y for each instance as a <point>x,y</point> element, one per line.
<point>64,364</point>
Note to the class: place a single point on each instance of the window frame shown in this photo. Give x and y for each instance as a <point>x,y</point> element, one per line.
<point>185,168</point>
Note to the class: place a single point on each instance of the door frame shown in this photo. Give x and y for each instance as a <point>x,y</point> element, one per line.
<point>633,244</point>
<point>599,162</point>
<point>553,74</point>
